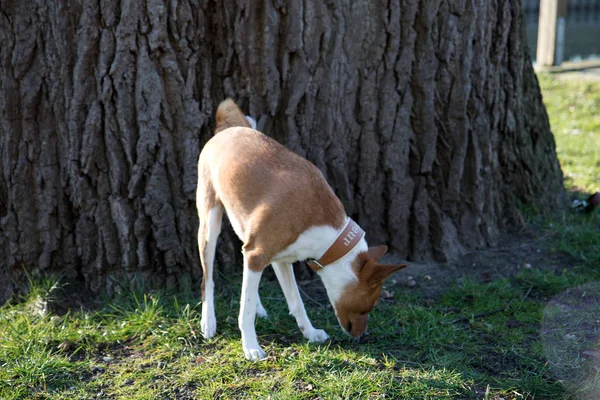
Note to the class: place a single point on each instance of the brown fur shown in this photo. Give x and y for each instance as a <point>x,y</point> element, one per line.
<point>354,305</point>
<point>229,115</point>
<point>274,193</point>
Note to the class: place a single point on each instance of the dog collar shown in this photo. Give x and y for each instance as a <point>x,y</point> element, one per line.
<point>348,238</point>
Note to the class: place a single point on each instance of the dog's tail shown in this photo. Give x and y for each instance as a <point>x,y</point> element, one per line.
<point>230,115</point>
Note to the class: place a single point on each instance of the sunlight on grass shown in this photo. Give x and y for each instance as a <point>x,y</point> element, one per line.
<point>571,341</point>
<point>147,346</point>
<point>574,113</point>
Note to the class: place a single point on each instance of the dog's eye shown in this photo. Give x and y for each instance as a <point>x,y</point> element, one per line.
<point>349,329</point>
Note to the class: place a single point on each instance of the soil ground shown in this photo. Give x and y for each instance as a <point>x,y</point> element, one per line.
<point>517,252</point>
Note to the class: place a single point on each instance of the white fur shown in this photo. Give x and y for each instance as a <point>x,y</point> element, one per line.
<point>312,243</point>
<point>285,276</point>
<point>208,322</point>
<point>260,309</point>
<point>251,121</point>
<point>337,275</point>
<point>248,303</point>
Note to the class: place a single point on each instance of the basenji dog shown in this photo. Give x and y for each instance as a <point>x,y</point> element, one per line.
<point>281,207</point>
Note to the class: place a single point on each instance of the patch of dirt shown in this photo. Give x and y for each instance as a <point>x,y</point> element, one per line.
<point>185,392</point>
<point>303,387</point>
<point>516,253</point>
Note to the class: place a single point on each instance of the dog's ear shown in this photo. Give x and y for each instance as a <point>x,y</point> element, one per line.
<point>381,272</point>
<point>376,252</point>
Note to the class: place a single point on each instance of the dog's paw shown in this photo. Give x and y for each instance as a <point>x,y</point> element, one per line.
<point>254,353</point>
<point>260,311</point>
<point>316,336</point>
<point>208,326</point>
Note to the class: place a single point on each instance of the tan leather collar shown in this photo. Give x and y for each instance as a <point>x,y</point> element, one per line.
<point>346,241</point>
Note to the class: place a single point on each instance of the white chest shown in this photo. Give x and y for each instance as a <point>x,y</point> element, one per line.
<point>312,243</point>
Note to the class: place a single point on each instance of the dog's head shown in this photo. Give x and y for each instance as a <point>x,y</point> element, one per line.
<point>358,298</point>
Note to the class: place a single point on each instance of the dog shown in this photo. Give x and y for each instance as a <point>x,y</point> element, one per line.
<point>283,210</point>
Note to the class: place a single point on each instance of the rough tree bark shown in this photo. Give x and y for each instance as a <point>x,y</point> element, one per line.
<point>425,116</point>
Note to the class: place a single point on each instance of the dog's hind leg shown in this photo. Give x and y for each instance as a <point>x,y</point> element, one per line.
<point>287,280</point>
<point>208,232</point>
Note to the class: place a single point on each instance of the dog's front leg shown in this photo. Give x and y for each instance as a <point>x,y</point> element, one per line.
<point>287,280</point>
<point>260,309</point>
<point>248,303</point>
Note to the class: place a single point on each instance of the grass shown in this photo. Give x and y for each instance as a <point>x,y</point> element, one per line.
<point>529,335</point>
<point>574,111</point>
<point>149,347</point>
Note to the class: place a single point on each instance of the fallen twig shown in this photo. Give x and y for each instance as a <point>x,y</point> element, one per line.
<point>529,291</point>
<point>310,298</point>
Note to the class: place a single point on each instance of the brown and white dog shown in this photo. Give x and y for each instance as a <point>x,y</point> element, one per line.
<point>283,210</point>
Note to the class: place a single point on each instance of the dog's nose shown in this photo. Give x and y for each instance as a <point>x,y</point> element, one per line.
<point>361,337</point>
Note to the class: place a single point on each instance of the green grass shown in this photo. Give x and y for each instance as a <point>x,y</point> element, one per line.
<point>520,337</point>
<point>574,111</point>
<point>144,347</point>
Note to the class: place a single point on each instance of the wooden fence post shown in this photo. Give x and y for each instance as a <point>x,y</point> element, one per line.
<point>551,32</point>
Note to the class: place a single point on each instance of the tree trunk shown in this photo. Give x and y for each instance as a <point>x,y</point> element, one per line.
<point>425,117</point>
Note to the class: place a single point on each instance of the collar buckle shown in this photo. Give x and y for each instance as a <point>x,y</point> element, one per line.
<point>314,264</point>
